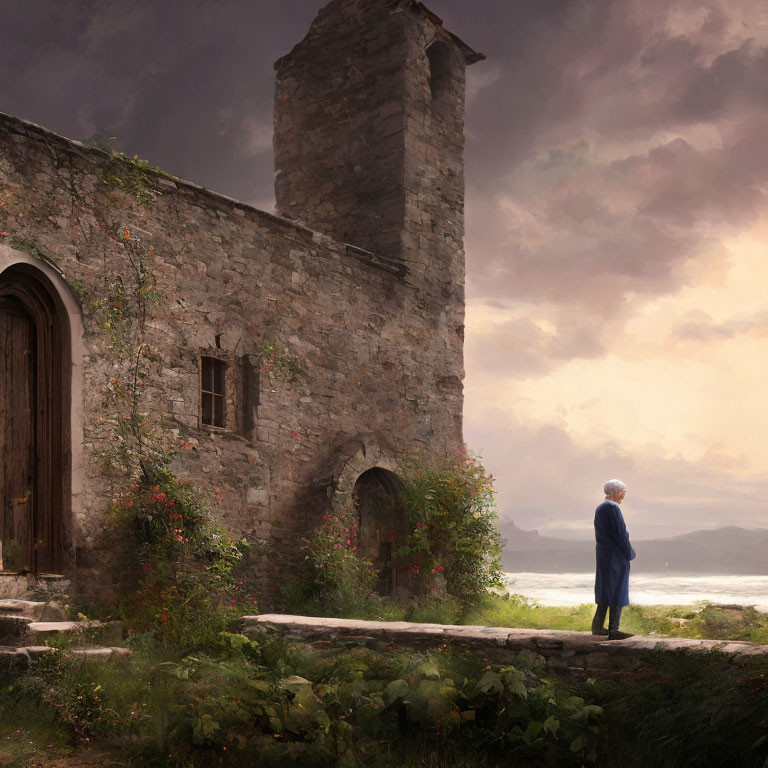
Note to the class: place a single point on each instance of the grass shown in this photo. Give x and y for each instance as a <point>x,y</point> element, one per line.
<point>702,621</point>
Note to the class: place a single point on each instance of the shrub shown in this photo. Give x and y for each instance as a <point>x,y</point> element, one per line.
<point>186,591</point>
<point>452,550</point>
<point>453,538</point>
<point>334,579</point>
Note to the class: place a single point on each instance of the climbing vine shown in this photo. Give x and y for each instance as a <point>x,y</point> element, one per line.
<point>181,562</point>
<point>134,443</point>
<point>131,175</point>
<point>277,361</point>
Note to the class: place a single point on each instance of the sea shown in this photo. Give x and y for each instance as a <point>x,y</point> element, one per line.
<point>644,589</point>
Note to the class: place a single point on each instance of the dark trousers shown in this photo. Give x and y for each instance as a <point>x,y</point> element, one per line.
<point>613,622</point>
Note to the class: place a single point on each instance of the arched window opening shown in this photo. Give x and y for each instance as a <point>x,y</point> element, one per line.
<point>383,527</point>
<point>440,70</point>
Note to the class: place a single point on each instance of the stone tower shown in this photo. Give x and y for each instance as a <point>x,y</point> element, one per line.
<point>369,149</point>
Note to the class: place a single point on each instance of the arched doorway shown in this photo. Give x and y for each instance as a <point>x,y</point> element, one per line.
<point>35,393</point>
<point>383,527</point>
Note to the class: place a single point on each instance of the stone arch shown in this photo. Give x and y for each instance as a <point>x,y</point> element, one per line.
<point>40,439</point>
<point>367,486</point>
<point>354,458</point>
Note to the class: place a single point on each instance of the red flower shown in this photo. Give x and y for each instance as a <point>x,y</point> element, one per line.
<point>440,568</point>
<point>233,602</point>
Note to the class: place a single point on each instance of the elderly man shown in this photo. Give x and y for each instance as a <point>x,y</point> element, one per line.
<point>613,553</point>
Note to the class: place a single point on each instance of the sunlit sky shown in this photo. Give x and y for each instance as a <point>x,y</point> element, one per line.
<point>617,173</point>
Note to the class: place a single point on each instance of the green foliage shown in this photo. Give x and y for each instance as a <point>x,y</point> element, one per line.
<point>701,710</point>
<point>276,361</point>
<point>452,550</point>
<point>187,592</point>
<point>334,579</point>
<point>132,175</point>
<point>265,703</point>
<point>28,246</point>
<point>453,537</point>
<point>245,702</point>
<point>435,608</point>
<point>726,624</point>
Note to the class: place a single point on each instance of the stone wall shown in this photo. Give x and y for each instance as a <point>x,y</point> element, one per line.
<point>567,653</point>
<point>230,278</point>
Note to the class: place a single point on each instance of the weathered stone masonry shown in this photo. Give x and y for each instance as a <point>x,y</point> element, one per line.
<point>365,283</point>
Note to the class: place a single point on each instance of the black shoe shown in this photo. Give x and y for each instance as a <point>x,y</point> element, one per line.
<point>599,631</point>
<point>614,634</point>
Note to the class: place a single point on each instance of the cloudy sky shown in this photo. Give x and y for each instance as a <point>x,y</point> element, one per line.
<point>617,176</point>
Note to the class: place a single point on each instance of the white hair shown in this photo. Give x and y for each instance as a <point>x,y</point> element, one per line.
<point>612,487</point>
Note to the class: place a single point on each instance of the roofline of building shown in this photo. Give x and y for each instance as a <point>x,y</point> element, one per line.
<point>471,56</point>
<point>376,260</point>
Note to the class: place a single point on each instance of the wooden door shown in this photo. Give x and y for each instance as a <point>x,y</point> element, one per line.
<point>18,387</point>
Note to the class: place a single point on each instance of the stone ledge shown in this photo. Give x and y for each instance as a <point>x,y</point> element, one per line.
<point>18,659</point>
<point>563,651</point>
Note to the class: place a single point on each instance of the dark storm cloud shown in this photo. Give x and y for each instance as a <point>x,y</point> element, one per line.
<point>615,144</point>
<point>186,85</point>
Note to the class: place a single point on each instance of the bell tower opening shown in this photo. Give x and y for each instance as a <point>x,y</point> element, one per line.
<point>440,70</point>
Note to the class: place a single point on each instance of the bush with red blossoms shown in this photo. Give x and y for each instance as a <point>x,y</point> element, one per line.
<point>453,538</point>
<point>334,579</point>
<point>186,586</point>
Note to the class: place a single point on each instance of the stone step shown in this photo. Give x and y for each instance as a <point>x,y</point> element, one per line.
<point>20,658</point>
<point>84,632</point>
<point>23,586</point>
<point>14,626</point>
<point>39,611</point>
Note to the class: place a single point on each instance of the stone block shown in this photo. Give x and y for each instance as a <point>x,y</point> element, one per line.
<point>598,660</point>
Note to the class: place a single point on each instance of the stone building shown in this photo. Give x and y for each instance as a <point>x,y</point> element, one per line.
<point>289,358</point>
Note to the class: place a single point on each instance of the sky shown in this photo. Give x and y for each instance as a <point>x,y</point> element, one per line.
<point>617,177</point>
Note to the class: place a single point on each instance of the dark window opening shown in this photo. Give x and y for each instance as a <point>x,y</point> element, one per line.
<point>250,396</point>
<point>440,66</point>
<point>212,392</point>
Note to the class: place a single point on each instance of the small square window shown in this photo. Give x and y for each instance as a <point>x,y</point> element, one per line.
<point>212,392</point>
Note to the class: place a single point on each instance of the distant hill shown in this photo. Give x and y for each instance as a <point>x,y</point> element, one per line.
<point>729,550</point>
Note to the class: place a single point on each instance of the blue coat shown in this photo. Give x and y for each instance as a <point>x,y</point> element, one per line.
<point>613,553</point>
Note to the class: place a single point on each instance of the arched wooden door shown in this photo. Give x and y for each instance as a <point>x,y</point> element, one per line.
<point>383,527</point>
<point>34,409</point>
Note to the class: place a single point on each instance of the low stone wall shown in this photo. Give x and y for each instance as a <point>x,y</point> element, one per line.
<point>570,653</point>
